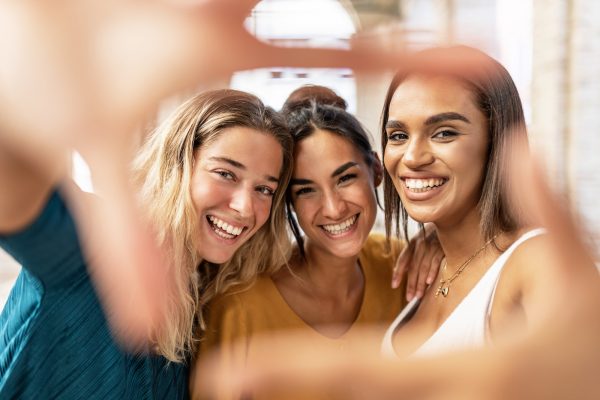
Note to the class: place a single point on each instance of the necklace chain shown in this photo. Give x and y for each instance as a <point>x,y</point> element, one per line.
<point>444,286</point>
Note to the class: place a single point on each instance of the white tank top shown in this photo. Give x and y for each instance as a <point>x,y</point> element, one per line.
<point>466,326</point>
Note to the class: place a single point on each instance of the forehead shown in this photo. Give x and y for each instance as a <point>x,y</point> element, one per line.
<point>323,151</point>
<point>254,149</point>
<point>428,95</point>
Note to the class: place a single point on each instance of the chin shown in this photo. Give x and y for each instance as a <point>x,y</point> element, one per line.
<point>421,214</point>
<point>347,251</point>
<point>218,258</point>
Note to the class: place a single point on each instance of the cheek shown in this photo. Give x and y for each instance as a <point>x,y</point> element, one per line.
<point>262,212</point>
<point>364,194</point>
<point>303,209</point>
<point>199,194</point>
<point>470,161</point>
<point>391,157</point>
<point>204,194</point>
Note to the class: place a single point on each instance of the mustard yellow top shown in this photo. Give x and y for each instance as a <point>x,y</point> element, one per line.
<point>237,316</point>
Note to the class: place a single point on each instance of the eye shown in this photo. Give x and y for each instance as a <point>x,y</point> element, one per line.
<point>397,137</point>
<point>347,178</point>
<point>224,174</point>
<point>303,190</point>
<point>265,190</point>
<point>445,135</point>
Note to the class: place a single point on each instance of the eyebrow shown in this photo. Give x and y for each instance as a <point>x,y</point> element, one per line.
<point>393,124</point>
<point>241,166</point>
<point>339,170</point>
<point>434,119</point>
<point>447,116</point>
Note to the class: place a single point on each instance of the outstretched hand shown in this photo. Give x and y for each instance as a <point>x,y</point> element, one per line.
<point>556,360</point>
<point>80,74</point>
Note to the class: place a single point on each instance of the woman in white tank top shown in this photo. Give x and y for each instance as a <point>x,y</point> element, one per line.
<point>445,133</point>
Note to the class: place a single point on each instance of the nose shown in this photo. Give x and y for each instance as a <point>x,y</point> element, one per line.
<point>242,201</point>
<point>334,206</point>
<point>418,153</point>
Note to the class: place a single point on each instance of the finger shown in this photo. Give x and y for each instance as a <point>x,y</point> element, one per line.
<point>294,363</point>
<point>543,207</point>
<point>414,271</point>
<point>134,268</point>
<point>430,254</point>
<point>436,264</point>
<point>423,268</point>
<point>314,365</point>
<point>401,265</point>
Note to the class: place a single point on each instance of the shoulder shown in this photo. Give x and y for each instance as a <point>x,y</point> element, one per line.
<point>241,313</point>
<point>239,298</point>
<point>525,262</point>
<point>50,246</point>
<point>376,248</point>
<point>378,259</point>
<point>526,248</point>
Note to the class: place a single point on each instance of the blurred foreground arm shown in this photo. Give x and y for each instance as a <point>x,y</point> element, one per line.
<point>555,360</point>
<point>80,75</point>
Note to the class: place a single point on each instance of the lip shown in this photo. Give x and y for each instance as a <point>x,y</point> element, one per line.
<point>221,239</point>
<point>411,195</point>
<point>349,232</point>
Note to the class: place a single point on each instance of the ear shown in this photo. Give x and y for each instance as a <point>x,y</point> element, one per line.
<point>377,170</point>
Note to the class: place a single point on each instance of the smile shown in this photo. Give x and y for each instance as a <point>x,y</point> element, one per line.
<point>423,185</point>
<point>224,229</point>
<point>342,227</point>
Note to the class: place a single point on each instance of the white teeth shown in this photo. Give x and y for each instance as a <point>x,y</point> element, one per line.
<point>224,229</point>
<point>426,184</point>
<point>337,229</point>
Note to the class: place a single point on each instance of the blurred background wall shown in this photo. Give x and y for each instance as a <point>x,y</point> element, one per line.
<point>550,47</point>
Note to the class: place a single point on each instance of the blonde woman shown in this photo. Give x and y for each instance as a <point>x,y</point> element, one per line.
<point>212,179</point>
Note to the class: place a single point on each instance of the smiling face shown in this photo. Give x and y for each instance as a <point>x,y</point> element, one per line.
<point>436,148</point>
<point>232,187</point>
<point>333,194</point>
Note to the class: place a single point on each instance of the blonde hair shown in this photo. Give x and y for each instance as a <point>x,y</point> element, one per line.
<point>163,172</point>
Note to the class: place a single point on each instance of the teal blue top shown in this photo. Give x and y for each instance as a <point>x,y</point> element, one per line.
<point>54,338</point>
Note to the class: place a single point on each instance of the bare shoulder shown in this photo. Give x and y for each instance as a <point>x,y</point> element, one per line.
<point>528,250</point>
<point>528,265</point>
<point>523,283</point>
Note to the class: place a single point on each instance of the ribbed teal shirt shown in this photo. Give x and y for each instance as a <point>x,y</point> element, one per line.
<point>55,342</point>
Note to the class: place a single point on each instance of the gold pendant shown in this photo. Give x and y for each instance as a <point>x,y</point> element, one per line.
<point>443,290</point>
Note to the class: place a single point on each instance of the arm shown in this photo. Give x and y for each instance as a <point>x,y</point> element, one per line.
<point>25,189</point>
<point>556,359</point>
<point>531,289</point>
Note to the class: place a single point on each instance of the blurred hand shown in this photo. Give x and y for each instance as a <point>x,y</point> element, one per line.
<point>555,361</point>
<point>80,74</point>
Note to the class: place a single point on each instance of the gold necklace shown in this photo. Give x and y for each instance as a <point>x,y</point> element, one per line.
<point>444,286</point>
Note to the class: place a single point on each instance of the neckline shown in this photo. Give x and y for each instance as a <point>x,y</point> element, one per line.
<point>299,320</point>
<point>397,323</point>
